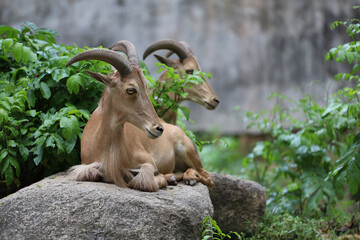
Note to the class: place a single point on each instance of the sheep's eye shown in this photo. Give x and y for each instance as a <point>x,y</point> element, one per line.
<point>130,91</point>
<point>189,71</point>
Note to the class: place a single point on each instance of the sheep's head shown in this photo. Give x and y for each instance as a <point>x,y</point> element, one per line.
<point>125,91</point>
<point>202,94</point>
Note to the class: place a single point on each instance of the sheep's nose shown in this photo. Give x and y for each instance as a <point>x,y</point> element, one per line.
<point>216,100</point>
<point>160,128</point>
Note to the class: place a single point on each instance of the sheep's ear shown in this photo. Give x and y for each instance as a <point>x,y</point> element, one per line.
<point>100,77</point>
<point>164,60</point>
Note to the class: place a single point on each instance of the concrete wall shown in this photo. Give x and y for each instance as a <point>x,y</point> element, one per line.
<point>252,47</point>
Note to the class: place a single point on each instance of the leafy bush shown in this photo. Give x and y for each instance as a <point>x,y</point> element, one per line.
<point>43,104</point>
<point>307,164</point>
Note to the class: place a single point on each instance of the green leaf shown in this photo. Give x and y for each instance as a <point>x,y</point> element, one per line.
<point>50,141</point>
<point>9,31</point>
<point>3,116</point>
<point>332,107</point>
<point>340,55</point>
<point>313,201</point>
<point>45,90</point>
<point>3,155</point>
<point>16,165</point>
<point>295,142</point>
<point>73,84</point>
<point>18,51</point>
<point>32,57</point>
<point>5,45</point>
<point>341,122</point>
<point>60,143</point>
<point>24,151</point>
<point>31,97</point>
<point>59,74</point>
<point>26,51</point>
<point>350,57</point>
<point>4,165</point>
<point>38,151</point>
<point>12,143</point>
<point>31,25</point>
<point>9,176</point>
<point>70,126</point>
<point>31,113</point>
<point>185,111</point>
<point>353,176</point>
<point>70,143</point>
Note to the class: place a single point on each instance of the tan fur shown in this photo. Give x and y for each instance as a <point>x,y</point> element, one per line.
<point>146,179</point>
<point>89,172</point>
<point>105,143</point>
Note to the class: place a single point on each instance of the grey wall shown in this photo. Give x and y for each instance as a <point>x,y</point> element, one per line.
<point>252,47</point>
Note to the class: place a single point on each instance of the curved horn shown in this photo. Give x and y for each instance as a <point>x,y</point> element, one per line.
<point>176,47</point>
<point>185,44</point>
<point>105,55</point>
<point>129,49</point>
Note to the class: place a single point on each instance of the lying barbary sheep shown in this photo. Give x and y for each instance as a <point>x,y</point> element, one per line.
<point>124,142</point>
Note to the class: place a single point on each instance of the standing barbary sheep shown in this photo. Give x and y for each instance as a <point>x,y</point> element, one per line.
<point>202,94</point>
<point>121,142</point>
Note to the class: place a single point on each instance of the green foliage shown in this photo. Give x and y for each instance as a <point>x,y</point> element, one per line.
<point>286,226</point>
<point>336,225</point>
<point>308,163</point>
<point>42,109</point>
<point>210,230</point>
<point>223,156</point>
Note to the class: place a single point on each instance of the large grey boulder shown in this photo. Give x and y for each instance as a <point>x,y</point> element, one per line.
<point>57,208</point>
<point>239,205</point>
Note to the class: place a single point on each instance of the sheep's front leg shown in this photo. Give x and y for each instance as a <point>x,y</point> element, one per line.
<point>192,176</point>
<point>174,178</point>
<point>195,171</point>
<point>147,178</point>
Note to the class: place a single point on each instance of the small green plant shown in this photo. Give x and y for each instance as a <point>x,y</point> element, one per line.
<point>210,230</point>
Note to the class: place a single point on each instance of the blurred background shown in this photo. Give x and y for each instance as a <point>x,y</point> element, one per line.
<point>251,47</point>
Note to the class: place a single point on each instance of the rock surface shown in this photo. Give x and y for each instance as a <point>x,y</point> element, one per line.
<point>57,208</point>
<point>239,205</point>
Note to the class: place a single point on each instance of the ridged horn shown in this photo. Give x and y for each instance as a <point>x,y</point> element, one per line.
<point>172,45</point>
<point>105,55</point>
<point>129,49</point>
<point>185,44</point>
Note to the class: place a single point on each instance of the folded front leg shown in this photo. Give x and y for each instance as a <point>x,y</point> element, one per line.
<point>174,178</point>
<point>192,176</point>
<point>147,179</point>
